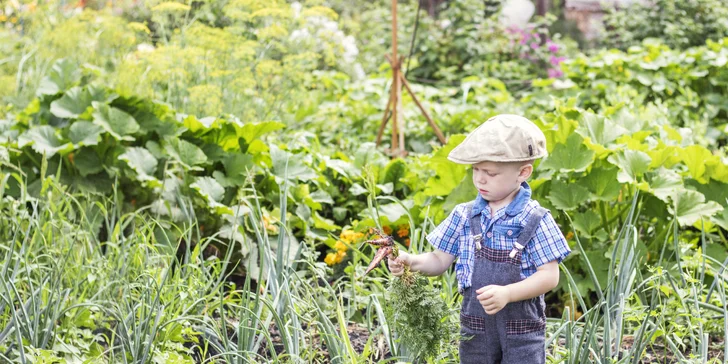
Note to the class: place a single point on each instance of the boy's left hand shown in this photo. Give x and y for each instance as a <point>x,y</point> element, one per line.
<point>493,298</point>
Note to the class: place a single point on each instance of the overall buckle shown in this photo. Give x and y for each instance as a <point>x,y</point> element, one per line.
<point>478,238</point>
<point>516,248</point>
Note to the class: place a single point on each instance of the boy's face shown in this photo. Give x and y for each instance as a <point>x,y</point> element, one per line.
<point>495,181</point>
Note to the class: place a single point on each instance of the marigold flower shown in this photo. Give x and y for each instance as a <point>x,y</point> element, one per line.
<point>387,230</point>
<point>340,256</point>
<point>340,246</point>
<point>403,230</point>
<point>330,259</point>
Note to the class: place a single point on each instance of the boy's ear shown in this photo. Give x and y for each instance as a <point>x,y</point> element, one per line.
<point>525,172</point>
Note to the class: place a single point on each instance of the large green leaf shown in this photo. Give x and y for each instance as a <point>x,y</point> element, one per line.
<point>567,196</point>
<point>43,139</point>
<point>75,101</point>
<point>252,131</point>
<point>602,183</point>
<point>689,206</point>
<point>599,129</point>
<point>63,75</point>
<point>290,166</point>
<point>213,192</point>
<point>368,155</point>
<point>695,158</point>
<point>72,104</point>
<point>448,175</point>
<point>713,191</point>
<point>573,156</point>
<point>185,153</point>
<point>665,183</point>
<point>87,161</point>
<point>117,123</point>
<point>394,211</point>
<point>142,162</point>
<point>464,192</point>
<point>342,167</point>
<point>394,172</point>
<point>587,223</point>
<point>84,133</point>
<point>237,166</point>
<point>631,163</point>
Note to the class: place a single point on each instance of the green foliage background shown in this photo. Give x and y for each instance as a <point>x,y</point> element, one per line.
<point>242,132</point>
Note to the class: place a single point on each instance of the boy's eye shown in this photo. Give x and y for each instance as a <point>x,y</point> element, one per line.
<point>492,174</point>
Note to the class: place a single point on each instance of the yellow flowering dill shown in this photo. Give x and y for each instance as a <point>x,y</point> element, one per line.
<point>321,11</point>
<point>170,7</point>
<point>139,27</point>
<point>206,99</point>
<point>272,13</point>
<point>274,31</point>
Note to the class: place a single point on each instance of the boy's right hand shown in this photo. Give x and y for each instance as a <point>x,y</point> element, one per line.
<point>396,266</point>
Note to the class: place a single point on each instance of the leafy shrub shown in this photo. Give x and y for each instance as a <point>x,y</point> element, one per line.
<point>678,24</point>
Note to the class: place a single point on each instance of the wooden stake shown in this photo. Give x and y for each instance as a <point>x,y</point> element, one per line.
<point>394,108</point>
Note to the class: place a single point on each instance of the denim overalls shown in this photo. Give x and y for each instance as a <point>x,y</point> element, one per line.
<point>515,334</point>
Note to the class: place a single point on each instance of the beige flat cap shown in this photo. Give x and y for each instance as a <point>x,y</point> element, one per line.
<point>502,138</point>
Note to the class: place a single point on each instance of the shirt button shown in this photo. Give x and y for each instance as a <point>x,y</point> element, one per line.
<point>510,232</point>
<point>489,234</point>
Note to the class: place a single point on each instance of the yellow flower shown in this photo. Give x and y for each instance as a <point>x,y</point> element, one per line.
<point>647,59</point>
<point>350,237</point>
<point>387,230</point>
<point>569,235</point>
<point>330,259</point>
<point>169,7</point>
<point>269,224</point>
<point>321,11</point>
<point>340,256</point>
<point>340,246</point>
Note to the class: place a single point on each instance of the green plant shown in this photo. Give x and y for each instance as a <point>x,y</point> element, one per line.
<point>679,24</point>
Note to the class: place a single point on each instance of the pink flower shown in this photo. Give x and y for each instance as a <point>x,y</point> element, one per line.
<point>525,38</point>
<point>534,45</point>
<point>553,47</point>
<point>555,73</point>
<point>556,60</point>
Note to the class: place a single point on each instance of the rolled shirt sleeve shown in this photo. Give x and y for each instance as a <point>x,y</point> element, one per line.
<point>445,237</point>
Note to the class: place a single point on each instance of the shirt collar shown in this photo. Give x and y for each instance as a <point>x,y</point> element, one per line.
<point>514,208</point>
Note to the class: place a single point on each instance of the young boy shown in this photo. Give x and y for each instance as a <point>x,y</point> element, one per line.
<point>508,247</point>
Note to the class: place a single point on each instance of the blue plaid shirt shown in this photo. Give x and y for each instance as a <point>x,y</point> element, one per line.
<point>453,235</point>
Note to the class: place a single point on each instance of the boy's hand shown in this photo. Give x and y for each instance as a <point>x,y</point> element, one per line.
<point>397,265</point>
<point>493,298</point>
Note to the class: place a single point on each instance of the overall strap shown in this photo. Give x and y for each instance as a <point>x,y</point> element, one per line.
<point>475,228</point>
<point>529,230</point>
